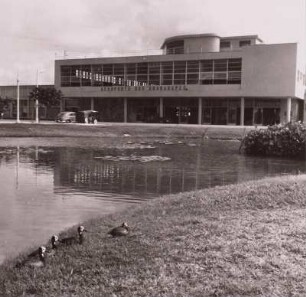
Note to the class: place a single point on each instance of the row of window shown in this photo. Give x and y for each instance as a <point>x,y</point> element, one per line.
<point>177,47</point>
<point>218,71</point>
<point>227,44</point>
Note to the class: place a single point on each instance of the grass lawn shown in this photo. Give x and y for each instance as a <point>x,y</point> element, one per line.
<point>145,131</point>
<point>237,240</point>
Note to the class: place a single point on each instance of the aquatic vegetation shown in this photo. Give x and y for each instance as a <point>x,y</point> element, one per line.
<point>142,159</point>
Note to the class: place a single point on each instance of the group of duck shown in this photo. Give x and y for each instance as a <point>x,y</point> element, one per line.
<point>32,261</point>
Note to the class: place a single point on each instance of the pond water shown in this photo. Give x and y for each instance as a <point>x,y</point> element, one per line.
<point>48,185</point>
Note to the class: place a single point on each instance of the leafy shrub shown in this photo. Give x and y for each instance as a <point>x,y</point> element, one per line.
<point>287,140</point>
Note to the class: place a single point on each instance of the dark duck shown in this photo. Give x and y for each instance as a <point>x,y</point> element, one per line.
<point>32,261</point>
<point>121,230</point>
<point>54,244</point>
<point>80,238</point>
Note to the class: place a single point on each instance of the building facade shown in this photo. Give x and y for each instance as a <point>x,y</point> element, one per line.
<point>198,79</point>
<point>8,103</point>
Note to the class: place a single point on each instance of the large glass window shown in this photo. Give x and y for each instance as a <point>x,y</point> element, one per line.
<point>234,71</point>
<point>206,72</point>
<point>86,75</point>
<point>142,74</point>
<point>154,73</point>
<point>179,72</point>
<point>131,74</point>
<point>192,72</point>
<point>76,73</point>
<point>119,74</point>
<point>234,64</point>
<point>65,76</point>
<point>167,72</point>
<point>218,71</point>
<point>97,75</point>
<point>107,77</point>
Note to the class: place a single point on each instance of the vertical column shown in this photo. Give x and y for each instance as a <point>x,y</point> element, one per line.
<point>125,110</point>
<point>200,104</point>
<point>241,111</point>
<point>161,107</point>
<point>92,103</point>
<point>288,111</point>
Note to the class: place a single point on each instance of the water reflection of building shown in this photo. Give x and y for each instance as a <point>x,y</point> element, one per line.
<point>199,79</point>
<point>81,171</point>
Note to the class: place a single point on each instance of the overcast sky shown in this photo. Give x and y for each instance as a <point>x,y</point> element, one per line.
<point>33,33</point>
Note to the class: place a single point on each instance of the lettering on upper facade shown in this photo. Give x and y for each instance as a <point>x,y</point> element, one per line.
<point>145,88</point>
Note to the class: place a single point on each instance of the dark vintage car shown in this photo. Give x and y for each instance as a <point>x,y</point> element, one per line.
<point>87,116</point>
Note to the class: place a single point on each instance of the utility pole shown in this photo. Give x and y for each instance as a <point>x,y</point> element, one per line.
<point>18,102</point>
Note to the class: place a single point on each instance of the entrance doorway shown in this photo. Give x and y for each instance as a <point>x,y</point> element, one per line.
<point>218,116</point>
<point>248,116</point>
<point>271,116</point>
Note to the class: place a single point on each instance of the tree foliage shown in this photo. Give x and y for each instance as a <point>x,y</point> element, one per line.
<point>4,102</point>
<point>49,96</point>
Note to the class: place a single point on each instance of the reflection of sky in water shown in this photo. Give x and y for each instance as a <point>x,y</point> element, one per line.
<point>47,189</point>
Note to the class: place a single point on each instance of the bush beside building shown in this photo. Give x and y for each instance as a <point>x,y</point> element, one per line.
<point>287,140</point>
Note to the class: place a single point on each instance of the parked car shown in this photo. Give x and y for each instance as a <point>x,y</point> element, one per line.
<point>66,117</point>
<point>87,116</point>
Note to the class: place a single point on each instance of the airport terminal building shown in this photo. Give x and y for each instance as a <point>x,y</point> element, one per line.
<point>199,79</point>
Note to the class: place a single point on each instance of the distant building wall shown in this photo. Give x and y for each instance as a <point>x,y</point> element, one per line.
<point>27,106</point>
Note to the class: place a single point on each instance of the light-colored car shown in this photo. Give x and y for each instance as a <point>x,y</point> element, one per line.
<point>66,117</point>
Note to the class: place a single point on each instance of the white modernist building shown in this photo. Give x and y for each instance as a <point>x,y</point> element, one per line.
<point>199,79</point>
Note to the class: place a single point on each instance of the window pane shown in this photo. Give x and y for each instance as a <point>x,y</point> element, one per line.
<point>108,69</point>
<point>86,75</point>
<point>175,47</point>
<point>167,71</point>
<point>154,68</point>
<point>225,44</point>
<point>107,77</point>
<point>220,65</point>
<point>234,64</point>
<point>76,75</point>
<point>131,68</point>
<point>142,68</point>
<point>154,80</point>
<point>220,78</point>
<point>179,67</point>
<point>65,76</point>
<point>234,77</point>
<point>119,69</point>
<point>192,66</point>
<point>192,78</point>
<point>244,42</point>
<point>206,65</point>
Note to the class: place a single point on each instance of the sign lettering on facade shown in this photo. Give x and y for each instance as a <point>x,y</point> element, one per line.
<point>145,88</point>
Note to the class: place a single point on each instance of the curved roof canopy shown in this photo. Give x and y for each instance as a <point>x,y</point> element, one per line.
<point>183,37</point>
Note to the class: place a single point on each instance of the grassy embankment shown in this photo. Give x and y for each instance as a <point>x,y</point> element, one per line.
<point>144,131</point>
<point>237,240</point>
